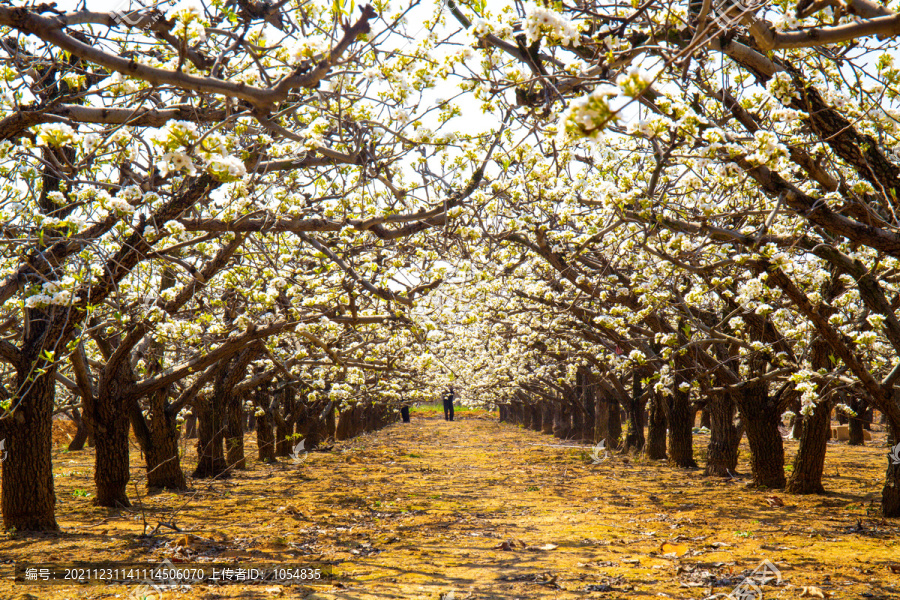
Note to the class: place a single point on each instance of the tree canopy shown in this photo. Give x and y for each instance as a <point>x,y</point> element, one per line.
<point>686,204</point>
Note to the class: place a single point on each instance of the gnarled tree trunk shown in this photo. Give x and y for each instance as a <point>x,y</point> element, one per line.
<point>678,418</point>
<point>577,420</point>
<point>330,424</point>
<point>546,417</point>
<point>211,461</point>
<point>109,416</point>
<point>724,438</point>
<point>82,431</point>
<point>210,438</point>
<point>158,436</point>
<point>28,498</point>
<point>890,493</point>
<point>342,431</point>
<point>857,437</point>
<point>809,463</point>
<point>537,419</point>
<point>562,422</point>
<point>601,418</point>
<point>656,428</point>
<point>761,419</point>
<point>614,439</point>
<point>190,426</point>
<point>265,438</point>
<point>634,408</point>
<point>234,432</point>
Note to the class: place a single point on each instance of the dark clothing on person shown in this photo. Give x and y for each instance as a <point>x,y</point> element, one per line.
<point>404,413</point>
<point>448,406</point>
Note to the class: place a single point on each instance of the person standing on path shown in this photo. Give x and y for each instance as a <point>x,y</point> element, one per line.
<point>448,404</point>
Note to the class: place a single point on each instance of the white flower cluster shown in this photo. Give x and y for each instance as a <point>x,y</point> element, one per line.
<point>122,203</point>
<point>6,148</point>
<point>634,82</point>
<point>587,116</point>
<point>56,135</point>
<point>176,162</point>
<point>543,21</point>
<point>804,384</point>
<point>189,23</point>
<point>782,88</point>
<point>481,28</point>
<point>664,385</point>
<point>766,148</point>
<point>226,168</point>
<point>750,292</point>
<point>866,338</point>
<point>52,293</point>
<point>845,409</point>
<point>176,134</point>
<point>340,391</point>
<point>314,133</point>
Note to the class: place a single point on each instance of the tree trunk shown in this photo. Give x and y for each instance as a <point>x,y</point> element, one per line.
<point>210,439</point>
<point>809,463</point>
<point>284,442</point>
<point>614,438</point>
<point>528,415</point>
<point>357,420</point>
<point>158,436</point>
<point>330,424</point>
<point>589,402</point>
<point>761,420</point>
<point>210,447</point>
<point>308,427</point>
<point>577,420</point>
<point>678,418</point>
<point>722,451</point>
<point>109,415</point>
<point>367,418</point>
<point>705,418</point>
<point>190,426</point>
<point>81,432</point>
<point>890,493</point>
<point>546,417</point>
<point>162,457</point>
<point>537,419</point>
<point>265,438</point>
<point>342,431</point>
<point>562,422</point>
<point>28,498</point>
<point>656,428</point>
<point>634,407</point>
<point>867,415</point>
<point>285,416</point>
<point>856,423</point>
<point>601,418</point>
<point>234,432</point>
<point>312,429</point>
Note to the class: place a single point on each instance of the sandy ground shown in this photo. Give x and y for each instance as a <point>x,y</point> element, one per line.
<point>480,509</point>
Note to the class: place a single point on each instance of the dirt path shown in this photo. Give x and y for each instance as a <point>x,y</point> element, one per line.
<point>479,509</point>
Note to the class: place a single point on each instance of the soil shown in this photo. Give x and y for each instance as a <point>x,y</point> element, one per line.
<point>479,509</point>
